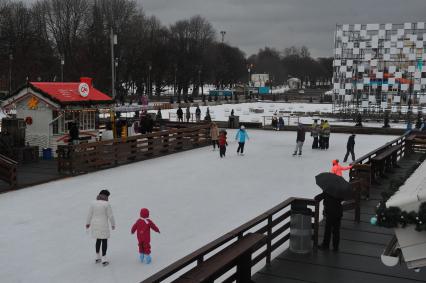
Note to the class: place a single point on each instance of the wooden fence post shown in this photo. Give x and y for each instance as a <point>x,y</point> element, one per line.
<point>269,241</point>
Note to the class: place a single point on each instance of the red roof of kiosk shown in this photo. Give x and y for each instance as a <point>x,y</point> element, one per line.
<point>72,93</point>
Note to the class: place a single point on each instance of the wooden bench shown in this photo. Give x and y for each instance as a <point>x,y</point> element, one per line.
<point>238,254</point>
<point>385,160</point>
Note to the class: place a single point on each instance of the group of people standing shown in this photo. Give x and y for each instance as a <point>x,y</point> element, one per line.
<point>179,114</point>
<point>321,134</point>
<point>277,122</point>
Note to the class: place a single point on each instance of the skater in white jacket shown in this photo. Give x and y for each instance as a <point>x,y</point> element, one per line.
<point>100,214</point>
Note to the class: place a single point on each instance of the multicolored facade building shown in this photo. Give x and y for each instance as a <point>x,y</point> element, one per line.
<point>380,65</point>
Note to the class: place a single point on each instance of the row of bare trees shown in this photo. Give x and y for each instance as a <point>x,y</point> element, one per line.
<point>36,38</point>
<point>293,62</point>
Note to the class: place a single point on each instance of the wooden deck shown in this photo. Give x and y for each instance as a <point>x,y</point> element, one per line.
<point>34,173</point>
<point>358,259</point>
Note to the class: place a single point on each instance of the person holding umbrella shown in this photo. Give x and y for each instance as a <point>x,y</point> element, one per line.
<point>333,212</point>
<point>335,190</point>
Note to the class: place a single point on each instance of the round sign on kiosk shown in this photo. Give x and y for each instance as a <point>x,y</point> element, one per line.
<point>83,89</point>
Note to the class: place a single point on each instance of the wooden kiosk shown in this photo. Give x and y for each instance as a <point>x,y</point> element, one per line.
<point>48,108</point>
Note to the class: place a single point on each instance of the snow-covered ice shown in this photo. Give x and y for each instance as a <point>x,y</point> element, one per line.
<point>194,197</point>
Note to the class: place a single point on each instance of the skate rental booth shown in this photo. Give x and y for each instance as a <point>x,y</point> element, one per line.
<point>49,108</point>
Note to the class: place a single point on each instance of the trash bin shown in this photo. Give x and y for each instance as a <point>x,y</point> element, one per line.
<point>301,230</point>
<point>234,122</point>
<point>47,153</point>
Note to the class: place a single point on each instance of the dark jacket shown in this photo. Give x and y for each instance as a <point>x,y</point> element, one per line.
<point>301,134</point>
<point>351,142</point>
<point>179,113</point>
<point>74,131</point>
<point>332,207</point>
<point>198,112</point>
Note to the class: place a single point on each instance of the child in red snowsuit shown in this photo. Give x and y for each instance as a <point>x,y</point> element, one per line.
<point>222,143</point>
<point>143,227</point>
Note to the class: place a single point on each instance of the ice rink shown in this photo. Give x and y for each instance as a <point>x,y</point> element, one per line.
<point>194,197</point>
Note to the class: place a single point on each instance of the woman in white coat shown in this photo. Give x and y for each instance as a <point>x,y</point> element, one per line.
<point>100,214</point>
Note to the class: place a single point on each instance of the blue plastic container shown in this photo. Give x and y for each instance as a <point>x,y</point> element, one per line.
<point>47,154</point>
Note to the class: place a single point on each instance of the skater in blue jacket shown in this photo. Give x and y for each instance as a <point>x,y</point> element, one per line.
<point>241,138</point>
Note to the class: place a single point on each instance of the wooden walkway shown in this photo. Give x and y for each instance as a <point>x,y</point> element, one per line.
<point>34,173</point>
<point>358,259</point>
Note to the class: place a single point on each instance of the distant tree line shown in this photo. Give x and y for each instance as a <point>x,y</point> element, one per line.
<point>35,38</point>
<point>293,62</point>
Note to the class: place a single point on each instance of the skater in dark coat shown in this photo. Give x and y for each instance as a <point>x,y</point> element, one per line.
<point>333,212</point>
<point>222,144</point>
<point>179,114</point>
<point>350,147</point>
<point>315,134</point>
<point>300,139</point>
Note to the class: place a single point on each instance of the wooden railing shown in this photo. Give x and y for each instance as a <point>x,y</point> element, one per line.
<point>274,224</point>
<point>8,170</point>
<point>89,157</point>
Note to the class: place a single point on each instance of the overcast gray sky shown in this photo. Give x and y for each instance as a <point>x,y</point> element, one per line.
<point>254,24</point>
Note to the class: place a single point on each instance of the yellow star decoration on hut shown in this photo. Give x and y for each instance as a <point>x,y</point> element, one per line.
<point>33,103</point>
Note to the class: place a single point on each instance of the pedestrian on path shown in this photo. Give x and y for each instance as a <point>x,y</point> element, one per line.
<point>98,220</point>
<point>188,114</point>
<point>179,114</point>
<point>198,114</point>
<point>350,147</point>
<point>143,227</point>
<point>300,139</point>
<point>241,137</point>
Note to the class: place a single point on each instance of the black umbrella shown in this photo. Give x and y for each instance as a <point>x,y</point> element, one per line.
<point>335,186</point>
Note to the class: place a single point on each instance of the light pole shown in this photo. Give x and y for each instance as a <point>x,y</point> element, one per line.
<point>149,80</point>
<point>62,68</point>
<point>248,81</point>
<point>10,73</point>
<point>199,81</point>
<point>174,85</point>
<point>113,42</point>
<point>222,32</point>
<point>115,68</point>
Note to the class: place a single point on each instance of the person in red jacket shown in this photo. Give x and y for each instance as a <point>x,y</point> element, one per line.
<point>222,143</point>
<point>337,168</point>
<point>143,228</point>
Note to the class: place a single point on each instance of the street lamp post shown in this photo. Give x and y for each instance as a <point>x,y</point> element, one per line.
<point>113,41</point>
<point>174,84</point>
<point>149,80</point>
<point>62,68</point>
<point>222,33</point>
<point>199,81</point>
<point>10,72</point>
<point>248,82</point>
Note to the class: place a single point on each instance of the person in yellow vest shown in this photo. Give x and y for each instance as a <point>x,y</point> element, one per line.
<point>326,134</point>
